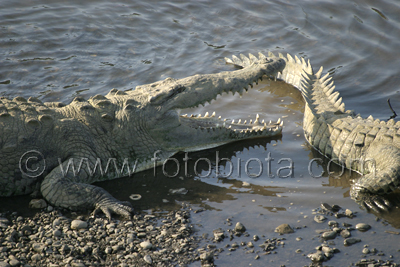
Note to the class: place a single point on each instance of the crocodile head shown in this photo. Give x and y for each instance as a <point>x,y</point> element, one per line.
<point>178,132</point>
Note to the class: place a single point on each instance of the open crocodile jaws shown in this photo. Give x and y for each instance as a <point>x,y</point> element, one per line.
<point>370,147</point>
<point>131,125</point>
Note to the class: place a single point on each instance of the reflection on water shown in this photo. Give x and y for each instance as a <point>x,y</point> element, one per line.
<point>57,50</point>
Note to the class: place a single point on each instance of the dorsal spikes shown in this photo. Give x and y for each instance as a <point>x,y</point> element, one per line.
<point>290,58</point>
<point>333,97</point>
<point>253,58</point>
<point>262,56</point>
<point>338,103</point>
<point>245,60</point>
<point>319,72</point>
<point>34,100</point>
<point>342,108</point>
<point>19,99</point>
<point>297,59</point>
<point>323,78</point>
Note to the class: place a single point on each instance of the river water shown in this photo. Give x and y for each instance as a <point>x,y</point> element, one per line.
<point>56,50</point>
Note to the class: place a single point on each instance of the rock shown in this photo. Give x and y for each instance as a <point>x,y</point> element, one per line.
<point>36,257</point>
<point>333,224</point>
<point>146,245</point>
<point>345,233</point>
<point>148,259</point>
<point>319,218</point>
<point>348,213</point>
<point>207,257</point>
<point>4,264</point>
<point>365,251</point>
<point>57,233</point>
<point>37,204</point>
<point>78,224</point>
<point>284,229</point>
<point>38,247</point>
<point>255,237</point>
<point>218,235</point>
<point>239,227</point>
<point>363,227</point>
<point>350,241</point>
<point>329,235</point>
<point>317,256</point>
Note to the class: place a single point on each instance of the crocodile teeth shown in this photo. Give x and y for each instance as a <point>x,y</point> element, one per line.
<point>233,121</point>
<point>206,115</point>
<point>191,116</point>
<point>213,114</point>
<point>219,117</point>
<point>239,121</point>
<point>245,122</point>
<point>278,121</point>
<point>199,116</point>
<point>251,121</point>
<point>263,121</point>
<point>184,115</point>
<point>224,119</point>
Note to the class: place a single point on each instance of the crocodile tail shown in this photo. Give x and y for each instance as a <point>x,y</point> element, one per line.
<point>244,61</point>
<point>318,92</point>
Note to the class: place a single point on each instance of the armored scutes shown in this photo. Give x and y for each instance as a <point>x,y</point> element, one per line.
<point>371,147</point>
<point>62,149</point>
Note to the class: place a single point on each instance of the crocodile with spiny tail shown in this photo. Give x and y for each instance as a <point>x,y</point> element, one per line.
<point>370,147</point>
<point>48,145</point>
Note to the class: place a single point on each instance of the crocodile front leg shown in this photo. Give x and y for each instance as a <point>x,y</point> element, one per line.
<point>382,163</point>
<point>65,190</point>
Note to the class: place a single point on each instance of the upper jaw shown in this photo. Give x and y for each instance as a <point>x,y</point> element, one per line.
<point>238,129</point>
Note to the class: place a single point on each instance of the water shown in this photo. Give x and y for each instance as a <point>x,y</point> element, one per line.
<point>57,50</point>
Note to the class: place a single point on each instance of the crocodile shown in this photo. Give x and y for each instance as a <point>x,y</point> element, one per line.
<point>59,149</point>
<point>368,146</point>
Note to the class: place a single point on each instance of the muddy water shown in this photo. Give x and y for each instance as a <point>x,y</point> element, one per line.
<point>57,50</point>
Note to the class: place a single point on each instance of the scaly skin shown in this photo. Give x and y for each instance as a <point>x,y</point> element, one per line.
<point>370,147</point>
<point>41,142</point>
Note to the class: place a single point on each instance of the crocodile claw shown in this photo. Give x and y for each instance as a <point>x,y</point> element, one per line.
<point>112,205</point>
<point>373,202</point>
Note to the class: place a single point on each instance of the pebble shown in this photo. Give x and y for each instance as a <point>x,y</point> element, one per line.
<point>148,259</point>
<point>78,224</point>
<point>284,229</point>
<point>206,257</point>
<point>348,213</point>
<point>365,251</point>
<point>319,218</point>
<point>146,245</point>
<point>345,233</point>
<point>363,227</point>
<point>37,204</point>
<point>317,256</point>
<point>351,240</point>
<point>329,235</point>
<point>239,227</point>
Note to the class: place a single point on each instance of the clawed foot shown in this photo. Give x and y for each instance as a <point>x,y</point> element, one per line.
<point>112,205</point>
<point>370,201</point>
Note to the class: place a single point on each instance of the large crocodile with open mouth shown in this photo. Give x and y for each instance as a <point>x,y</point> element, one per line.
<point>62,149</point>
<point>370,147</point>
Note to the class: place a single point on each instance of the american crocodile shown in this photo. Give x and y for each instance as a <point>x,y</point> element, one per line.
<point>43,145</point>
<point>370,147</point>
